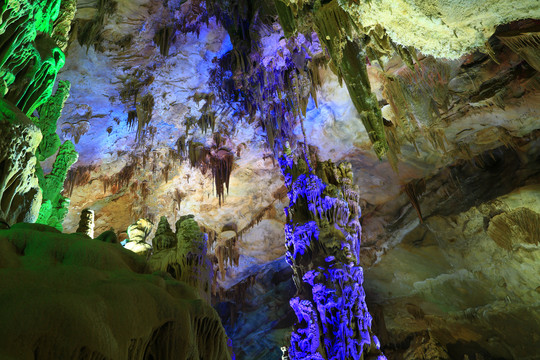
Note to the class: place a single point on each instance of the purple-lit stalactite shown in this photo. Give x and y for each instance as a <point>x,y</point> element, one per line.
<point>323,247</point>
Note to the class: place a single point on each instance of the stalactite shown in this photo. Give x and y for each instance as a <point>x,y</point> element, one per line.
<point>286,18</point>
<point>413,190</point>
<point>120,179</point>
<point>78,176</point>
<point>221,162</point>
<point>75,130</point>
<point>178,197</point>
<point>518,226</point>
<point>334,28</point>
<point>198,155</point>
<point>181,146</point>
<point>164,38</point>
<point>145,190</point>
<point>207,121</point>
<point>526,45</point>
<point>278,88</point>
<point>145,109</point>
<point>193,17</point>
<point>165,171</point>
<point>90,32</point>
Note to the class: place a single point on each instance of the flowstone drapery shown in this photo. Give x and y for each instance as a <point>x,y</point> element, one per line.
<point>323,248</point>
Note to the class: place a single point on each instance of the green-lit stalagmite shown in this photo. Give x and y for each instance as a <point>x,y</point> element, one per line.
<point>52,186</point>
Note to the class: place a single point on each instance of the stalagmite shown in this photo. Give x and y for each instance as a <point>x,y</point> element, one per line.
<point>86,224</point>
<point>333,319</point>
<point>55,205</point>
<point>137,234</point>
<point>184,258</point>
<point>164,238</point>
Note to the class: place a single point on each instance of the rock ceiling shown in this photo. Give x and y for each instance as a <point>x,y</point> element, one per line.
<point>469,158</point>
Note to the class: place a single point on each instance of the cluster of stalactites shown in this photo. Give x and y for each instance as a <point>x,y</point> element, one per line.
<point>323,251</point>
<point>30,58</point>
<point>349,44</point>
<point>219,160</point>
<point>278,85</point>
<point>226,249</point>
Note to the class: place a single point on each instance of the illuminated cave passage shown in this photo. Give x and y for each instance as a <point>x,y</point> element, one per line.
<point>283,179</point>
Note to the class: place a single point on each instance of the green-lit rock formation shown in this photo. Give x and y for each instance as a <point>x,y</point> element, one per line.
<point>29,57</point>
<point>49,113</point>
<point>33,35</point>
<point>65,296</point>
<point>20,195</point>
<point>52,186</point>
<point>186,258</point>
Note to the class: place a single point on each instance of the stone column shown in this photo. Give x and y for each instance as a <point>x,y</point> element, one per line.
<point>323,248</point>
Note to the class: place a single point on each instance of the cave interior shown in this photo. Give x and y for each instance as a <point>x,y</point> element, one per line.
<point>270,179</point>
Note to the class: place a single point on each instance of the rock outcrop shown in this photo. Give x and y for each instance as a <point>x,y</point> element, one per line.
<point>69,297</point>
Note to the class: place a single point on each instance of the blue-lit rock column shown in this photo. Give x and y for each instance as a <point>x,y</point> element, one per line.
<point>323,248</point>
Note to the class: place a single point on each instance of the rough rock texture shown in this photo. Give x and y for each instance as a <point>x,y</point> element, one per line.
<point>67,296</point>
<point>20,195</point>
<point>29,63</point>
<point>165,238</point>
<point>323,249</point>
<point>468,273</point>
<point>49,114</point>
<point>447,29</point>
<point>30,57</point>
